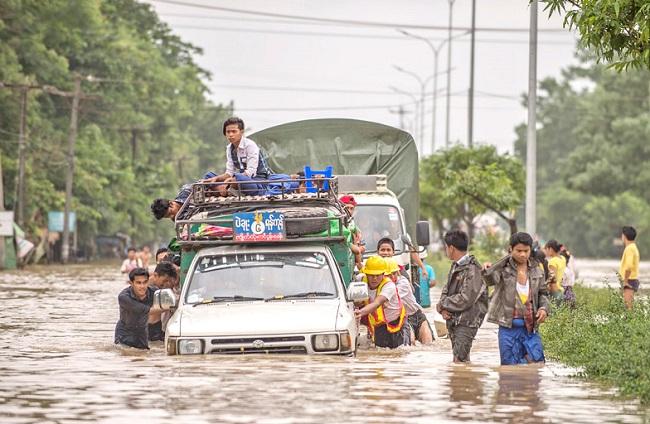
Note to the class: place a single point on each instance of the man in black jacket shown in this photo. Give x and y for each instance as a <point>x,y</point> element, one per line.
<point>463,303</point>
<point>136,306</point>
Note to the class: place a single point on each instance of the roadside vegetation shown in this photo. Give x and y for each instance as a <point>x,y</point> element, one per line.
<point>146,126</point>
<point>602,339</point>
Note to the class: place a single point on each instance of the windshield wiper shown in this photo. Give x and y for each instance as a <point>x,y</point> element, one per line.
<point>299,295</point>
<point>236,298</point>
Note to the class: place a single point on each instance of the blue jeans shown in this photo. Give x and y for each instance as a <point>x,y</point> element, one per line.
<point>248,186</point>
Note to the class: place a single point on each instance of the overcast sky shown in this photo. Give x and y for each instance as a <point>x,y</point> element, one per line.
<point>279,69</point>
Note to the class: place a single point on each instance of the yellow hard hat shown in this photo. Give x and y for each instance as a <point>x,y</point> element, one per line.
<point>391,265</point>
<point>375,265</point>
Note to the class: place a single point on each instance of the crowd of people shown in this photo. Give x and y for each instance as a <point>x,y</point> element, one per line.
<point>525,282</point>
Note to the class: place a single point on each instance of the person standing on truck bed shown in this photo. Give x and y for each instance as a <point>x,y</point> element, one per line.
<point>357,245</point>
<point>243,160</point>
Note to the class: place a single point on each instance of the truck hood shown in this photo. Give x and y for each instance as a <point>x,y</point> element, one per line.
<point>259,318</point>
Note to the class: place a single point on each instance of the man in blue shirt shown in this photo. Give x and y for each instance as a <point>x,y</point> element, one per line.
<point>426,282</point>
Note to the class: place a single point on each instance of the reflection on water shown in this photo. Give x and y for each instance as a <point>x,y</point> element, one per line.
<point>58,364</point>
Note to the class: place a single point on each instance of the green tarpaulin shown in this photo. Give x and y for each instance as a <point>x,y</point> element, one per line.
<point>352,147</point>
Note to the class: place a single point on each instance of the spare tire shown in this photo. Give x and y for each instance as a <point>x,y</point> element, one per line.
<point>299,227</point>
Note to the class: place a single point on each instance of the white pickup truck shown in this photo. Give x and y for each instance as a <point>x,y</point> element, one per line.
<point>272,299</point>
<point>264,275</point>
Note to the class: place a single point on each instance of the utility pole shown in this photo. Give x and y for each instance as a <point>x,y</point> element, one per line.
<point>72,139</point>
<point>451,9</point>
<point>19,205</point>
<point>401,112</point>
<point>2,208</point>
<point>470,108</point>
<point>77,95</point>
<point>416,102</point>
<point>531,136</point>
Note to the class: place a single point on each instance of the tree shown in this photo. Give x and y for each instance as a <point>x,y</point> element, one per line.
<point>149,128</point>
<point>618,31</point>
<point>461,183</point>
<point>592,147</point>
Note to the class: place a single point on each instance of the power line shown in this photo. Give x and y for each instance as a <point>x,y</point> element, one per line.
<point>309,89</point>
<point>343,21</point>
<point>348,35</point>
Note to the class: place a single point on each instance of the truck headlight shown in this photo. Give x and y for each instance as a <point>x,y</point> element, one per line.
<point>325,342</point>
<point>171,346</point>
<point>346,341</point>
<point>190,346</point>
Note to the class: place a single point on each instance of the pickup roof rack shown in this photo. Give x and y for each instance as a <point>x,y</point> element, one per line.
<point>207,217</point>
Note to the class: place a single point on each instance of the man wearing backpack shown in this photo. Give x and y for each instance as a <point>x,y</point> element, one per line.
<point>243,160</point>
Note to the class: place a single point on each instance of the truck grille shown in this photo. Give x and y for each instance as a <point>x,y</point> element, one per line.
<point>258,351</point>
<point>249,340</point>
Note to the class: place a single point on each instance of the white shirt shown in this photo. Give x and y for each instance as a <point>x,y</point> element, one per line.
<point>523,289</point>
<point>128,265</point>
<point>391,306</point>
<point>407,296</point>
<point>569,277</point>
<point>248,154</point>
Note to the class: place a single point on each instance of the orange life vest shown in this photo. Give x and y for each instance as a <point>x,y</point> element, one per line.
<point>378,318</point>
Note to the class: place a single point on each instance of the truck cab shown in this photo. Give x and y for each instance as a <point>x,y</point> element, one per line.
<point>378,214</point>
<point>263,274</point>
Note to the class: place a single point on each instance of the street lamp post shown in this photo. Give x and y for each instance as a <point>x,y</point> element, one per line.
<point>436,52</point>
<point>470,109</point>
<point>422,90</point>
<point>531,137</point>
<point>448,107</point>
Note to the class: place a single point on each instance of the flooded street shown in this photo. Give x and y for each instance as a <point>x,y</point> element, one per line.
<point>58,364</point>
<point>601,273</point>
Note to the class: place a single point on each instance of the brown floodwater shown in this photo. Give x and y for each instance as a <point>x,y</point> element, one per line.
<point>58,364</point>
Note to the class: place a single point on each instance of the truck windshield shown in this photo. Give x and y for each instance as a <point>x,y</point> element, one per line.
<point>377,222</point>
<point>259,276</point>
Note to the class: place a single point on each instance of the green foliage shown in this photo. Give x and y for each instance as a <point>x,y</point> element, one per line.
<point>489,246</point>
<point>604,340</point>
<point>618,31</point>
<point>461,183</point>
<point>441,266</point>
<point>147,129</point>
<point>592,147</point>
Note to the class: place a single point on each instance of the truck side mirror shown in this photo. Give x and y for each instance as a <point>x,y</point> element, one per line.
<point>358,291</point>
<point>165,298</point>
<point>406,239</point>
<point>422,233</point>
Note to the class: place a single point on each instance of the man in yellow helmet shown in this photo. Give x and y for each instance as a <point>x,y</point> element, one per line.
<point>415,315</point>
<point>385,311</point>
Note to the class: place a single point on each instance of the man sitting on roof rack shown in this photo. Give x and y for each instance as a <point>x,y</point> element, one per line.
<point>277,184</point>
<point>244,163</point>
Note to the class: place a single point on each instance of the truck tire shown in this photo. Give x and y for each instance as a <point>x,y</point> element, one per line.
<point>297,227</point>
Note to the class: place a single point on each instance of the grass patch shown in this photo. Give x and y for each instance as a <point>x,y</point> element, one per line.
<point>607,342</point>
